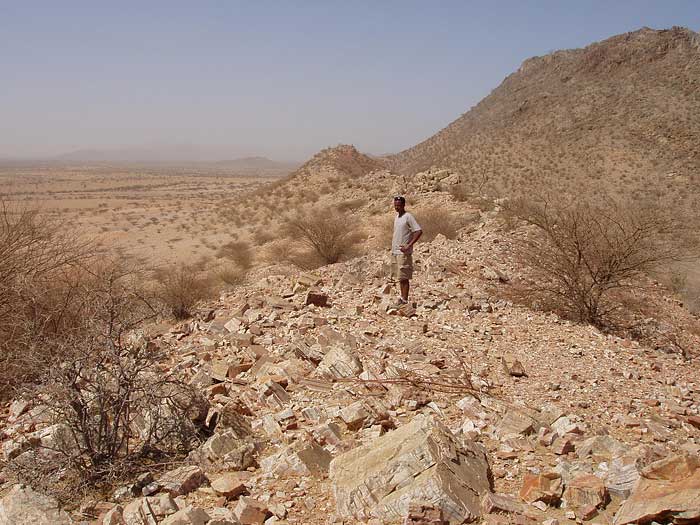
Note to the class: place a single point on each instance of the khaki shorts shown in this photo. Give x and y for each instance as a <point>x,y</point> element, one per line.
<point>402,266</point>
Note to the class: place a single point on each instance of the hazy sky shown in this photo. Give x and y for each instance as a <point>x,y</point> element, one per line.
<point>276,78</point>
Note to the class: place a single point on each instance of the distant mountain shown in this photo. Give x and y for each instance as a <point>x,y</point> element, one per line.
<point>621,115</point>
<point>171,154</point>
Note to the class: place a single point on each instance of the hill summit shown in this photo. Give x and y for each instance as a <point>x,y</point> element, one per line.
<point>343,159</point>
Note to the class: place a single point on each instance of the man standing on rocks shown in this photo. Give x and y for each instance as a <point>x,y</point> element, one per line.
<point>406,232</point>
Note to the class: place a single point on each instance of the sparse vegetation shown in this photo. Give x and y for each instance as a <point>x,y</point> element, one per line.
<point>231,274</point>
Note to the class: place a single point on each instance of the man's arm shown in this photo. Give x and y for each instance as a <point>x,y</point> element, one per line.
<point>414,237</point>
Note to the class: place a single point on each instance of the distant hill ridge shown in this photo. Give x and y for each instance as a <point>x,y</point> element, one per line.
<point>174,154</point>
<point>622,115</point>
<point>344,160</point>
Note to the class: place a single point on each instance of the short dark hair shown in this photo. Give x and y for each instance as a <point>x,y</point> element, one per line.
<point>401,199</point>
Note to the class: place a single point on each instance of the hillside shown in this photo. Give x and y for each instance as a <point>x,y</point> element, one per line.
<point>622,114</point>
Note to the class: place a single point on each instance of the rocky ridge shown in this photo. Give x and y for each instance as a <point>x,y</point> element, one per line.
<point>328,405</point>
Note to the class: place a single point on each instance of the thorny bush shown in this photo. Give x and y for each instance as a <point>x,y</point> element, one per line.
<point>37,259</point>
<point>328,236</point>
<point>181,287</point>
<point>584,252</point>
<point>110,399</point>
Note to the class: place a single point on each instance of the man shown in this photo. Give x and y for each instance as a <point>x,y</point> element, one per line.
<point>406,232</point>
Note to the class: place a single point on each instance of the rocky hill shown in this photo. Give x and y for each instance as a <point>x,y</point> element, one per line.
<point>343,160</point>
<point>622,114</point>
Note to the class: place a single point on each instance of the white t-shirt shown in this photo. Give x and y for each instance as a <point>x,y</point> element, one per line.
<point>404,226</point>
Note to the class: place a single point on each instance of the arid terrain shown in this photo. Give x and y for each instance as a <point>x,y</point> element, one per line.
<point>545,371</point>
<point>157,215</point>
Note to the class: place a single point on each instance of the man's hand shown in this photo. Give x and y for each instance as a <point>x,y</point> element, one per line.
<point>404,248</point>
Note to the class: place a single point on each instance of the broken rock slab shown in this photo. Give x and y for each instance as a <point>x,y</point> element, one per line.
<point>339,362</point>
<point>24,505</point>
<point>316,298</point>
<point>188,516</point>
<point>423,513</point>
<point>420,461</point>
<point>182,480</point>
<point>586,491</point>
<point>302,458</point>
<point>516,423</point>
<point>546,487</point>
<point>250,511</point>
<point>620,476</point>
<point>501,503</point>
<point>668,490</point>
<point>143,511</point>
<point>230,484</point>
<point>227,450</point>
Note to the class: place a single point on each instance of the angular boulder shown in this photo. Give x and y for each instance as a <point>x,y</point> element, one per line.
<point>302,458</point>
<point>669,489</point>
<point>339,362</point>
<point>586,491</point>
<point>229,484</point>
<point>250,511</point>
<point>227,451</point>
<point>546,487</point>
<point>188,516</point>
<point>182,480</point>
<point>420,461</point>
<point>516,423</point>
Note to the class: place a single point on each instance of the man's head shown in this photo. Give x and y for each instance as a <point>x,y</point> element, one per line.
<point>399,203</point>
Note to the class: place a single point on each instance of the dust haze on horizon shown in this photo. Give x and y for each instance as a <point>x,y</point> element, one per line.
<point>172,82</point>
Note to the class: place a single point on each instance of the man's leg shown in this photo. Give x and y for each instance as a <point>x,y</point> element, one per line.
<point>404,283</point>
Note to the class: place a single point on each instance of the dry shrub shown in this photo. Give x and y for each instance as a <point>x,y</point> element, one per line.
<point>463,193</point>
<point>275,251</point>
<point>434,221</point>
<point>585,254</point>
<point>350,205</point>
<point>181,287</point>
<point>64,345</point>
<point>237,251</point>
<point>263,236</point>
<point>231,274</point>
<point>327,236</point>
<point>305,259</point>
<point>39,262</point>
<point>111,406</point>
